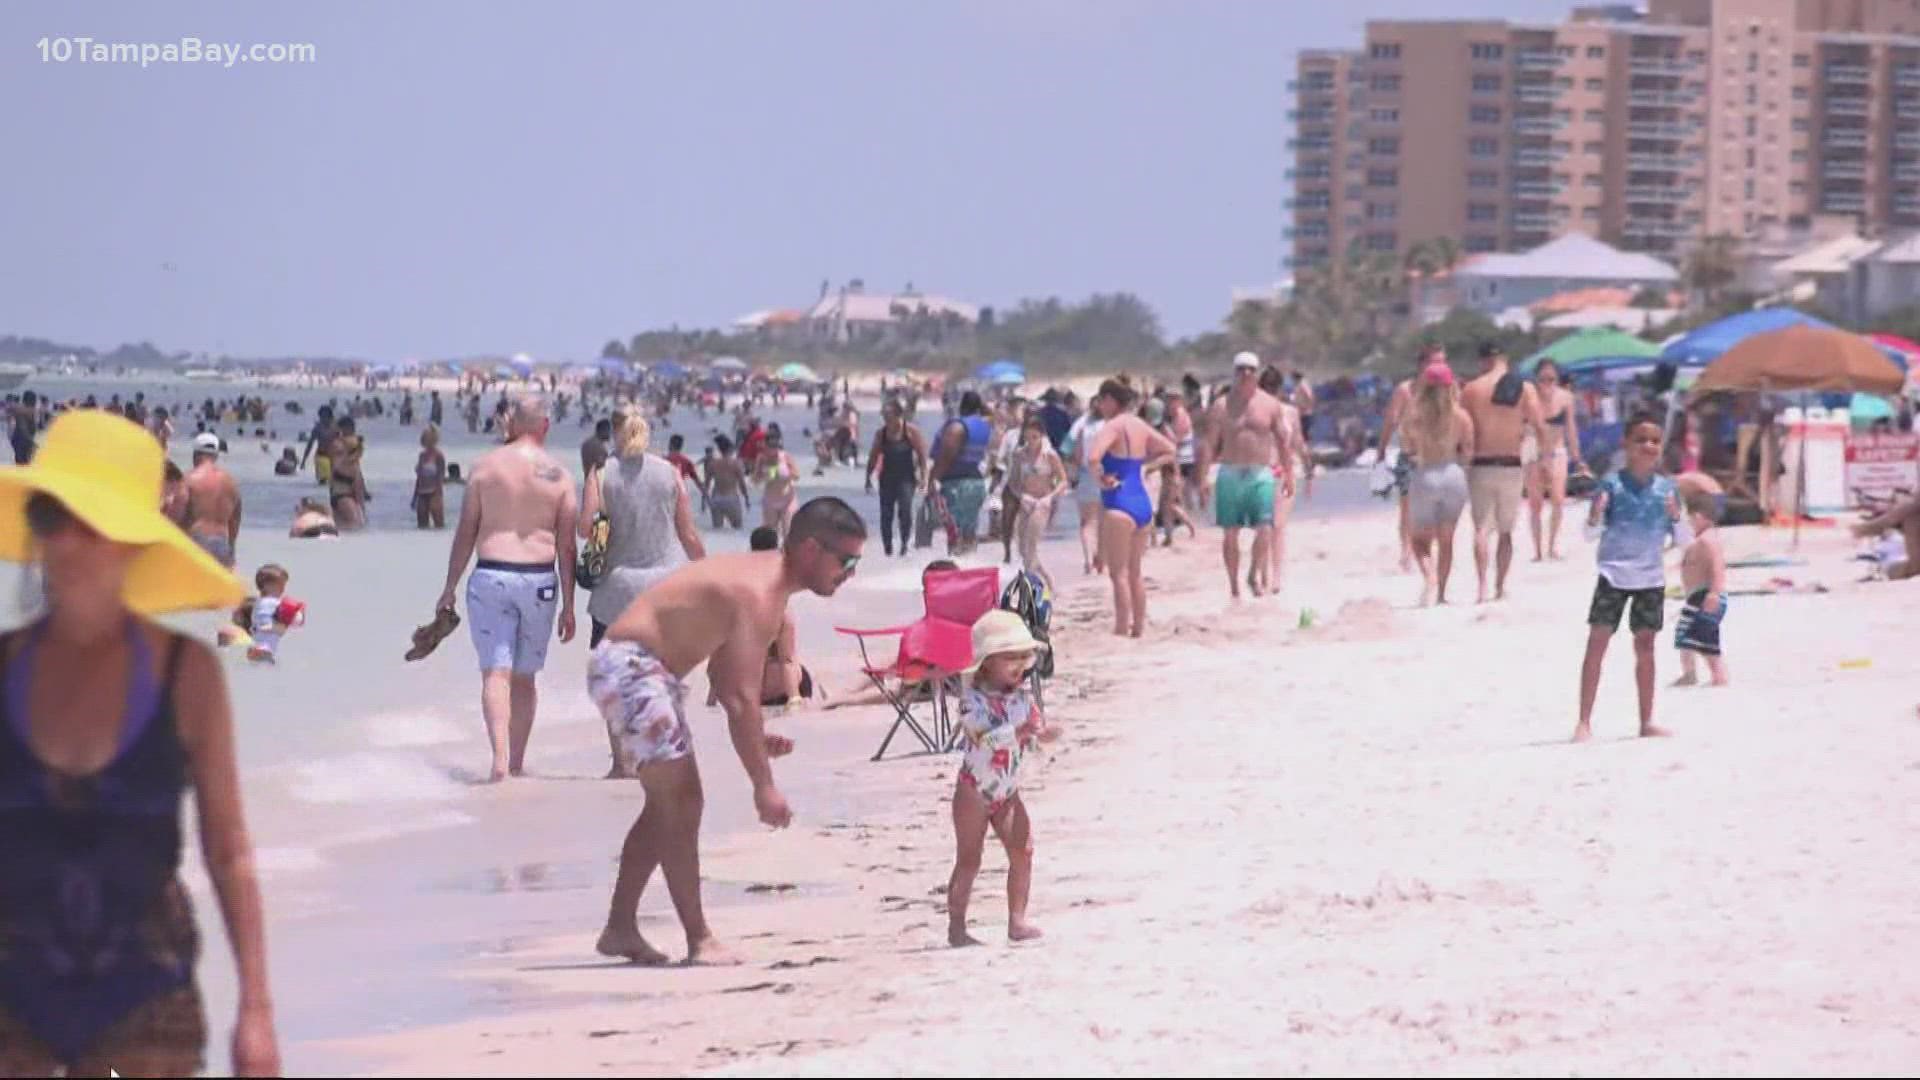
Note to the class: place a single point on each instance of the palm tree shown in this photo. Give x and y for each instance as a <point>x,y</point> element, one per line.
<point>1249,320</point>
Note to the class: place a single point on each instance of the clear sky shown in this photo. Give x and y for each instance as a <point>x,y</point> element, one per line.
<point>449,179</point>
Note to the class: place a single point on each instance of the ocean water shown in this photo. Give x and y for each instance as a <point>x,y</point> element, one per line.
<point>383,860</point>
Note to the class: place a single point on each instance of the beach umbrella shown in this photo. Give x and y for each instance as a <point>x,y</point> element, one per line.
<point>612,365</point>
<point>1804,358</point>
<point>1708,343</point>
<point>670,369</point>
<point>998,372</point>
<point>1588,344</point>
<point>797,372</point>
<point>729,363</point>
<point>507,371</point>
<point>1866,408</point>
<point>1901,351</point>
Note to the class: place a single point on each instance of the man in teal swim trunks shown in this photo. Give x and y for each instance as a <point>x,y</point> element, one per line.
<point>1247,436</point>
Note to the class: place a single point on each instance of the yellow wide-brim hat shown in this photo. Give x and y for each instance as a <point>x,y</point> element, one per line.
<point>111,474</point>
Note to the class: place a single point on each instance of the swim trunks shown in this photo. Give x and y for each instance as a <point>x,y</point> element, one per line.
<point>643,704</point>
<point>219,547</point>
<point>1696,630</point>
<point>963,497</point>
<point>510,610</point>
<point>1243,497</point>
<point>1609,603</point>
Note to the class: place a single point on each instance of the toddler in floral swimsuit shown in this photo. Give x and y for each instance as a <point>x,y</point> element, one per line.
<point>1000,721</point>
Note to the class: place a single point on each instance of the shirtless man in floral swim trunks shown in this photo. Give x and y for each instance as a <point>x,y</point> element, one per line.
<point>723,611</point>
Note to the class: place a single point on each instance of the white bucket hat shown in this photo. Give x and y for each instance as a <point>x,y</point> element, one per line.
<point>1001,631</point>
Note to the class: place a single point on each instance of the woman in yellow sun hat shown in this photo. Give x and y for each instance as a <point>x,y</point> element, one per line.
<point>105,719</point>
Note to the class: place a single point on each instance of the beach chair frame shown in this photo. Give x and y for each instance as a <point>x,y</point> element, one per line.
<point>936,648</point>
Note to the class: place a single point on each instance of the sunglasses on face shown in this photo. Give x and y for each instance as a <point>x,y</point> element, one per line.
<point>847,562</point>
<point>48,516</point>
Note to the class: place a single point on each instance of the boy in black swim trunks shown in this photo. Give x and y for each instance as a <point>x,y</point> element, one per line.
<point>1635,513</point>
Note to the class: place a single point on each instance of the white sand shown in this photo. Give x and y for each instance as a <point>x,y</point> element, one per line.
<point>1363,847</point>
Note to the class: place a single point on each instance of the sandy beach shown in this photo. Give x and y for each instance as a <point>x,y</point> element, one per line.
<point>1359,846</point>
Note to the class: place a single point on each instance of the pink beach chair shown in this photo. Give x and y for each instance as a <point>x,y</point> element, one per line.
<point>935,650</point>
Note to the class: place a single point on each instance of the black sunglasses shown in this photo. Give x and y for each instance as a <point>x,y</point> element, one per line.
<point>847,562</point>
<point>48,516</point>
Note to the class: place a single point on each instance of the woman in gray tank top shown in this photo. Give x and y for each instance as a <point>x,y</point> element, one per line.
<point>650,530</point>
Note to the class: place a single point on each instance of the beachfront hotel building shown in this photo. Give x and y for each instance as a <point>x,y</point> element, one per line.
<point>1647,128</point>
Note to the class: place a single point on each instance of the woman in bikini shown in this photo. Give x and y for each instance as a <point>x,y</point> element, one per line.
<point>778,475</point>
<point>1038,478</point>
<point>1547,477</point>
<point>429,481</point>
<point>1125,446</point>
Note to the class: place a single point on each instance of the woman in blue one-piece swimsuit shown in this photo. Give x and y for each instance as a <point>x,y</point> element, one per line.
<point>1125,447</point>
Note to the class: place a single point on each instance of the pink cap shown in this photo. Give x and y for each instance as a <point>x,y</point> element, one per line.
<point>1438,373</point>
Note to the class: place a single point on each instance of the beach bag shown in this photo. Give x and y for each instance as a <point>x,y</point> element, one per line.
<point>923,523</point>
<point>591,567</point>
<point>1028,597</point>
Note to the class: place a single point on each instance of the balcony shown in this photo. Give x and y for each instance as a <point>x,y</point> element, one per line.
<point>1907,109</point>
<point>1322,84</point>
<point>1538,93</point>
<point>1659,129</point>
<point>1535,125</point>
<point>1662,194</point>
<point>1659,65</point>
<point>1907,75</point>
<point>1537,189</point>
<point>1535,155</point>
<point>1659,227</point>
<point>1908,171</point>
<point>1310,203</point>
<point>1845,137</point>
<point>1536,60</point>
<point>1662,98</point>
<point>1320,174</point>
<point>1848,73</point>
<point>1657,161</point>
<point>1843,202</point>
<point>1844,170</point>
<point>1532,221</point>
<point>1906,205</point>
<point>1317,145</point>
<point>1907,140</point>
<point>1848,106</point>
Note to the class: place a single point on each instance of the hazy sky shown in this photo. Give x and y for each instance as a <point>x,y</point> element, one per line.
<point>449,179</point>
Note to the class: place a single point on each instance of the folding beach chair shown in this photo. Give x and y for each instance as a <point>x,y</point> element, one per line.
<point>934,650</point>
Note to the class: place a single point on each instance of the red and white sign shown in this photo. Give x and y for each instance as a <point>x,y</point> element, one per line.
<point>1881,466</point>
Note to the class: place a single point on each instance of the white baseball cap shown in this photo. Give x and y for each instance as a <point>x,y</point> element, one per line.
<point>1246,360</point>
<point>206,443</point>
